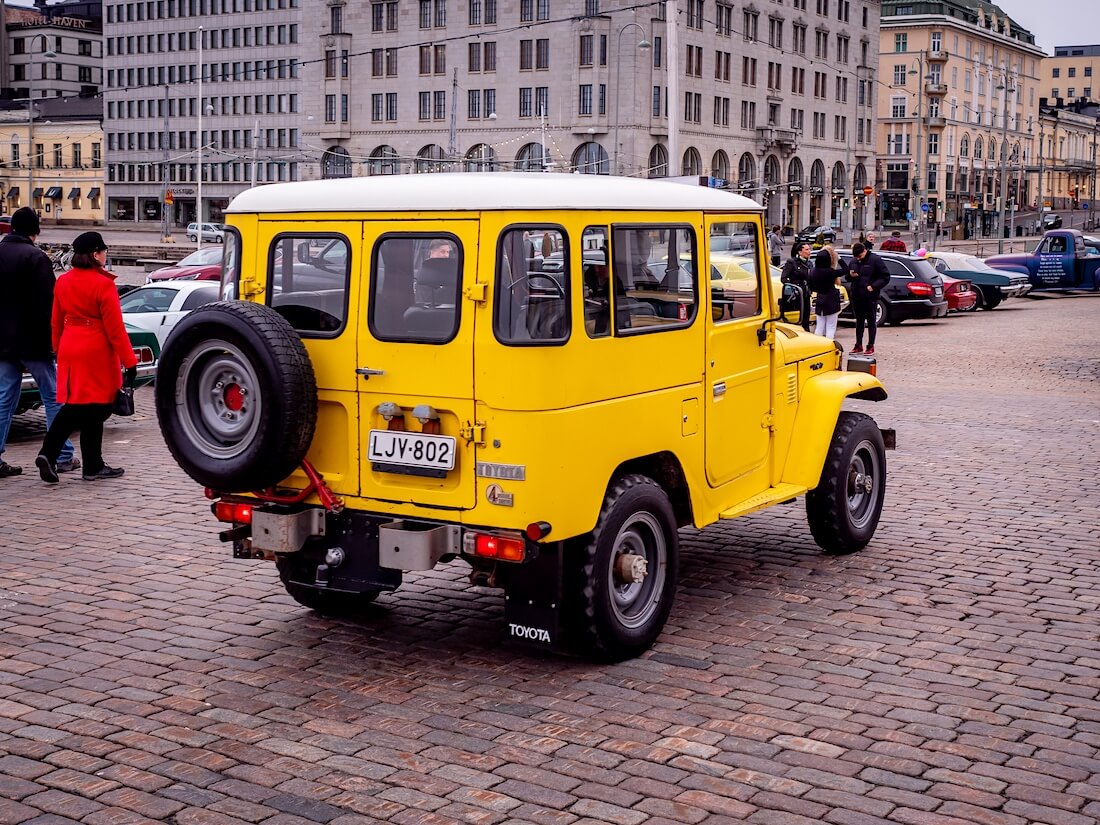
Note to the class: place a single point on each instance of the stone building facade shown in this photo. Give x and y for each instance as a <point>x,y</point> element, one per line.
<point>1072,73</point>
<point>959,83</point>
<point>773,100</point>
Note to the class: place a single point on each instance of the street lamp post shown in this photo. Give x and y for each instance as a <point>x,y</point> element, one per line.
<point>643,44</point>
<point>922,182</point>
<point>1092,187</point>
<point>1003,87</point>
<point>49,54</point>
<point>198,196</point>
<point>1039,203</point>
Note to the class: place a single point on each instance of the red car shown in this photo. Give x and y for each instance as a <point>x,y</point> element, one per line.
<point>5,224</point>
<point>960,294</point>
<point>202,265</point>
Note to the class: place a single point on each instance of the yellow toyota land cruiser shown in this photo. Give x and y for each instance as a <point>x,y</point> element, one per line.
<point>538,374</point>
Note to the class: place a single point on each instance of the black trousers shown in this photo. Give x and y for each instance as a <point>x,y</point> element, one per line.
<point>88,418</point>
<point>865,316</point>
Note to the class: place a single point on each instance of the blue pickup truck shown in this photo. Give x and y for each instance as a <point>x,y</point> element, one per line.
<point>1064,259</point>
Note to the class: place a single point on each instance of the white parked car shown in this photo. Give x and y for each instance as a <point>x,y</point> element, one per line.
<point>159,307</point>
<point>210,232</point>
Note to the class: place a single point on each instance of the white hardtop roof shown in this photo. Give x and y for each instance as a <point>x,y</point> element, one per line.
<point>478,191</point>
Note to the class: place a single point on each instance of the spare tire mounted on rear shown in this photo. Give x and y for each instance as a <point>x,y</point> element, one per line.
<point>236,396</point>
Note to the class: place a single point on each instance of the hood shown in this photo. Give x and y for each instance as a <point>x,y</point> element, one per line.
<point>798,345</point>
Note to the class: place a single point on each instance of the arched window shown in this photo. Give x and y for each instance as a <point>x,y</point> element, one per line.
<point>658,161</point>
<point>693,164</point>
<point>1015,156</point>
<point>964,147</point>
<point>977,148</point>
<point>720,165</point>
<point>383,161</point>
<point>430,159</point>
<point>591,159</point>
<point>771,172</point>
<point>481,158</point>
<point>746,172</point>
<point>532,159</point>
<point>336,163</point>
<point>794,172</point>
<point>817,176</point>
<point>840,185</point>
<point>859,181</point>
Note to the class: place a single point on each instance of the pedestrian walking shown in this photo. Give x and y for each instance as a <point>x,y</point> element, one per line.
<point>868,276</point>
<point>26,300</point>
<point>894,243</point>
<point>775,245</point>
<point>797,271</point>
<point>869,241</point>
<point>92,347</point>
<point>823,280</point>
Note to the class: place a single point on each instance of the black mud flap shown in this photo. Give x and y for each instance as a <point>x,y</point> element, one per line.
<point>533,599</point>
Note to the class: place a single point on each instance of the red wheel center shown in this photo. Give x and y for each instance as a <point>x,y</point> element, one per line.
<point>234,398</point>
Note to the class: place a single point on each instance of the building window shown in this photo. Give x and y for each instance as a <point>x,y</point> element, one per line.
<point>748,71</point>
<point>586,56</point>
<point>751,20</point>
<point>526,55</point>
<point>901,43</point>
<point>473,104</point>
<point>695,14</point>
<point>424,107</point>
<point>542,100</point>
<point>330,108</point>
<point>526,11</point>
<point>899,75</point>
<point>542,11</point>
<point>542,53</point>
<point>439,109</point>
<point>525,99</point>
<point>724,23</point>
<point>897,107</point>
<point>425,14</point>
<point>475,12</point>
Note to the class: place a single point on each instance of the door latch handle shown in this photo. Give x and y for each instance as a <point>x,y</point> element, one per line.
<point>367,372</point>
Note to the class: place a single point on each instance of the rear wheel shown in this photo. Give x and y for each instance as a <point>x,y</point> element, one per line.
<point>993,301</point>
<point>882,313</point>
<point>844,509</point>
<point>192,238</point>
<point>628,570</point>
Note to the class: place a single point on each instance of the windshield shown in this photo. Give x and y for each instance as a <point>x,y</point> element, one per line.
<point>203,257</point>
<point>974,264</point>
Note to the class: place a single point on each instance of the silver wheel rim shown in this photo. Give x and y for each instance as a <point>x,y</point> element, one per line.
<point>635,603</point>
<point>219,402</point>
<point>864,479</point>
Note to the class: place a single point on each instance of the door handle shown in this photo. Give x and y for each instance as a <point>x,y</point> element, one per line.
<point>367,372</point>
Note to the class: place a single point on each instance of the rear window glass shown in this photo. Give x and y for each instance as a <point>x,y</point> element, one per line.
<point>415,288</point>
<point>897,268</point>
<point>532,290</point>
<point>654,277</point>
<point>308,282</point>
<point>200,297</point>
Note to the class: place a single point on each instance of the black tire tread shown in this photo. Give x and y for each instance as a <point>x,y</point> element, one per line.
<point>287,434</point>
<point>590,631</point>
<point>823,503</point>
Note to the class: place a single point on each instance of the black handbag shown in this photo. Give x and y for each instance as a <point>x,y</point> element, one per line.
<point>124,402</point>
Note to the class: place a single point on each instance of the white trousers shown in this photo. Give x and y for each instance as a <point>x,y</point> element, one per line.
<point>826,325</point>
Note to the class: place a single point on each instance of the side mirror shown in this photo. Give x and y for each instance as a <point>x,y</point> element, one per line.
<point>303,253</point>
<point>793,302</point>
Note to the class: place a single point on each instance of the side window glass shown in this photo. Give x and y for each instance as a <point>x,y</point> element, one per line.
<point>148,300</point>
<point>654,271</point>
<point>1044,245</point>
<point>532,290</point>
<point>735,282</point>
<point>308,282</point>
<point>897,269</point>
<point>1057,245</point>
<point>597,282</point>
<point>415,283</point>
<point>231,265</point>
<point>199,298</point>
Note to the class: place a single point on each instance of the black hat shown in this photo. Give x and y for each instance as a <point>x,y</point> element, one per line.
<point>823,260</point>
<point>88,242</point>
<point>24,221</point>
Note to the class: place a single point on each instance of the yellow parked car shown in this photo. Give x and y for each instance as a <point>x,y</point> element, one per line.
<point>735,272</point>
<point>508,370</point>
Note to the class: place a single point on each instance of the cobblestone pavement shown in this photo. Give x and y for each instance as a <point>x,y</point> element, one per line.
<point>947,674</point>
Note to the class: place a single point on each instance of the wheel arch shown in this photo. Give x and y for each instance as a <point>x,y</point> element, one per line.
<point>819,407</point>
<point>665,469</point>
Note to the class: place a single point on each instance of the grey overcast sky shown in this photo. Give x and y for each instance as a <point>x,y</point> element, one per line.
<point>1056,22</point>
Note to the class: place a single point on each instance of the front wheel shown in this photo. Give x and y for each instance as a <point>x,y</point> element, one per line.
<point>993,302</point>
<point>844,509</point>
<point>192,238</point>
<point>628,570</point>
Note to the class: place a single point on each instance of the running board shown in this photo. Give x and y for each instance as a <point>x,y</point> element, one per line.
<point>773,495</point>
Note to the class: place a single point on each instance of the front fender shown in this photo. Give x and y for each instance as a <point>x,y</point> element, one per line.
<point>818,410</point>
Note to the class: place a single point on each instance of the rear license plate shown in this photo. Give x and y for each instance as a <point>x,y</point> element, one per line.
<point>939,291</point>
<point>417,450</point>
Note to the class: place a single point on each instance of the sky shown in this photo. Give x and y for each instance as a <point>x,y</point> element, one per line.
<point>1056,22</point>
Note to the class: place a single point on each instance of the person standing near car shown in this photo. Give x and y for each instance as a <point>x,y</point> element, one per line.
<point>894,243</point>
<point>823,280</point>
<point>91,343</point>
<point>797,271</point>
<point>868,276</point>
<point>26,284</point>
<point>775,245</point>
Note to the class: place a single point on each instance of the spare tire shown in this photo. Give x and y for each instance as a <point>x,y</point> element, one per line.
<point>236,396</point>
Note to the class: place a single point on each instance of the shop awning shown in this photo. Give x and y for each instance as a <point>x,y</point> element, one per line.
<point>93,192</point>
<point>53,192</point>
<point>74,193</point>
<point>38,191</point>
<point>13,192</point>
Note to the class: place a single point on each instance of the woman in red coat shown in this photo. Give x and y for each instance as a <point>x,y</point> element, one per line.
<point>91,343</point>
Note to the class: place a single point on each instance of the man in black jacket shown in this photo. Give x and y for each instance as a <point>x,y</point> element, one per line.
<point>868,276</point>
<point>26,284</point>
<point>797,271</point>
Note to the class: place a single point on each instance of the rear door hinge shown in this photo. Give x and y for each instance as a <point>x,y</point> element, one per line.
<point>476,291</point>
<point>767,422</point>
<point>474,433</point>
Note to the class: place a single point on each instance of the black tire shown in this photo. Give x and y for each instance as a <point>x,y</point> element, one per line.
<point>993,302</point>
<point>882,313</point>
<point>192,238</point>
<point>325,602</point>
<point>236,396</point>
<point>618,619</point>
<point>844,509</point>
<point>980,303</point>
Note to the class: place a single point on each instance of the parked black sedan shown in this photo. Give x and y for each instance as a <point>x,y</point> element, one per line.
<point>915,290</point>
<point>816,235</point>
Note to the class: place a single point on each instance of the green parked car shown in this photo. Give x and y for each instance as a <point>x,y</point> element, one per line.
<point>992,285</point>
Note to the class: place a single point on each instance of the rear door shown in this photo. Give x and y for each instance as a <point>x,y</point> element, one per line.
<point>414,367</point>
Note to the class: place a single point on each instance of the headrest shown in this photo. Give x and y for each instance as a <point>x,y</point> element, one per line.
<point>438,272</point>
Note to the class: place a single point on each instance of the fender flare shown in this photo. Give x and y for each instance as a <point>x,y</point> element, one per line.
<point>818,410</point>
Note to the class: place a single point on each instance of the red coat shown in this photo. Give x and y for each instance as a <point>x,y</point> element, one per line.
<point>893,244</point>
<point>89,337</point>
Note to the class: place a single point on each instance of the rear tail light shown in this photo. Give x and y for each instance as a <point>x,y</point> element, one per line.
<point>144,355</point>
<point>495,546</point>
<point>921,290</point>
<point>232,512</point>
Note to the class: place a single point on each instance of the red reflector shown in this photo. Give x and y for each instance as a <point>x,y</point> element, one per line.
<point>233,512</point>
<point>234,397</point>
<point>499,547</point>
<point>537,530</point>
<point>919,289</point>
